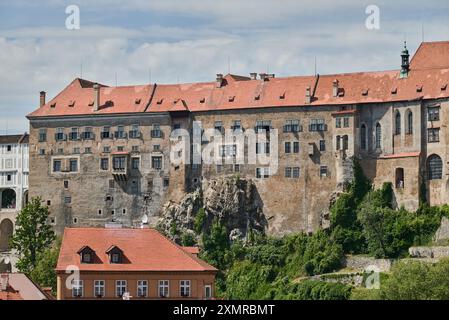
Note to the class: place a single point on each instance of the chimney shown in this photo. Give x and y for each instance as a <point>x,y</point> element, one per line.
<point>271,75</point>
<point>96,96</point>
<point>335,88</point>
<point>308,94</point>
<point>219,82</point>
<point>42,98</point>
<point>253,75</point>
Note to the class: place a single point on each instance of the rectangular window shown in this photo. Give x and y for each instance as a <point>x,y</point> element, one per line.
<point>433,113</point>
<point>106,132</point>
<point>135,162</point>
<point>73,165</point>
<point>229,150</point>
<point>184,286</point>
<point>156,163</point>
<point>346,122</point>
<point>42,135</point>
<point>119,163</point>
<point>120,133</point>
<point>66,184</point>
<point>433,135</point>
<point>295,172</point>
<point>166,182</point>
<point>208,291</point>
<point>135,148</point>
<point>142,288</point>
<point>263,126</point>
<point>88,133</point>
<point>262,173</point>
<point>88,150</point>
<point>291,126</point>
<point>120,288</point>
<point>99,288</point>
<point>322,145</point>
<point>59,135</point>
<point>317,125</point>
<point>296,147</point>
<point>338,122</point>
<point>104,164</point>
<point>41,152</point>
<point>156,147</point>
<point>219,168</point>
<point>288,147</point>
<point>288,172</point>
<point>237,126</point>
<point>163,288</point>
<point>218,125</point>
<point>176,126</point>
<point>73,135</point>
<point>262,148</point>
<point>67,200</point>
<point>77,288</point>
<point>56,165</point>
<point>323,171</point>
<point>134,133</point>
<point>76,150</point>
<point>156,132</point>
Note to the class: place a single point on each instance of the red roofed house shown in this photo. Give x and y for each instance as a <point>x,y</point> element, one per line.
<point>17,286</point>
<point>101,154</point>
<point>140,262</point>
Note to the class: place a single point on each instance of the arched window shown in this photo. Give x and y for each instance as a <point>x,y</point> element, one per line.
<point>409,122</point>
<point>434,167</point>
<point>6,230</point>
<point>363,136</point>
<point>378,136</point>
<point>397,122</point>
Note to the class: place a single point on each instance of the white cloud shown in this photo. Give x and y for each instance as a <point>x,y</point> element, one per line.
<point>279,35</point>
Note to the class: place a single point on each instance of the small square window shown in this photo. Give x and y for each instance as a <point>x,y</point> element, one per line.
<point>106,149</point>
<point>66,184</point>
<point>323,171</point>
<point>67,200</point>
<point>48,202</point>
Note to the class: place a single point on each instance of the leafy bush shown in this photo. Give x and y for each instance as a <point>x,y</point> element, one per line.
<point>415,280</point>
<point>315,290</point>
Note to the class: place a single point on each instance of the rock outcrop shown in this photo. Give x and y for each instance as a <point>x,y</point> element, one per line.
<point>233,201</point>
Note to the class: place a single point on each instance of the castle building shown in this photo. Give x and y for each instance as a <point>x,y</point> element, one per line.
<point>13,191</point>
<point>102,154</point>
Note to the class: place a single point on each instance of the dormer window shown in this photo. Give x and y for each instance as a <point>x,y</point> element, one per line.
<point>115,254</point>
<point>86,254</point>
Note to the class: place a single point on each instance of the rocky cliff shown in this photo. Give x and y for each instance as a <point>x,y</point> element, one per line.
<point>233,201</point>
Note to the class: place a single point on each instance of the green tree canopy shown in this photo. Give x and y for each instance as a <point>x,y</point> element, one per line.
<point>32,235</point>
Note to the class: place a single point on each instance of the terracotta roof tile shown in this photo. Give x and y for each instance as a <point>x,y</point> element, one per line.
<point>112,100</point>
<point>144,250</point>
<point>428,79</point>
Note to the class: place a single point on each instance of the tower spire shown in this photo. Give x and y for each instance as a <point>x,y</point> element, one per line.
<point>405,66</point>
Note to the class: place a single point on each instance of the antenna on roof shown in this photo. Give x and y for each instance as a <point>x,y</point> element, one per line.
<point>422,32</point>
<point>315,66</point>
<point>116,79</point>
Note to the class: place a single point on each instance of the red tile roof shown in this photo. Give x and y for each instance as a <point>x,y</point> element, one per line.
<point>401,155</point>
<point>143,250</point>
<point>80,94</point>
<point>428,79</point>
<point>431,55</point>
<point>10,294</point>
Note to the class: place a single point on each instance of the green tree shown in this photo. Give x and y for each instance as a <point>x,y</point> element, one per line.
<point>32,235</point>
<point>44,273</point>
<point>415,280</point>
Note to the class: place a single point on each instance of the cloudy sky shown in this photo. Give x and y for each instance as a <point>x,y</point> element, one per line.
<point>170,41</point>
